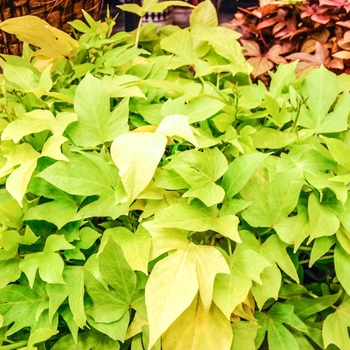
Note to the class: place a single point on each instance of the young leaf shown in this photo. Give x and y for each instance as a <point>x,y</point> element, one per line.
<point>198,328</point>
<point>201,170</point>
<point>137,155</point>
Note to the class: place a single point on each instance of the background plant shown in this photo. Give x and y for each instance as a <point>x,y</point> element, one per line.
<point>313,32</point>
<point>154,198</point>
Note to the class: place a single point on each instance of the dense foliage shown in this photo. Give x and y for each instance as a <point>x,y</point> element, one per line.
<point>315,32</point>
<point>154,198</point>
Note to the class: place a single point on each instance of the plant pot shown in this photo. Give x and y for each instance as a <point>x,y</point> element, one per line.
<point>56,12</point>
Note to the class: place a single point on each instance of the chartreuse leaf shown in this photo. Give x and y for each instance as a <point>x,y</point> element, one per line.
<point>19,306</point>
<point>306,307</point>
<point>136,246</point>
<point>271,279</point>
<point>272,322</point>
<point>336,326</point>
<point>177,125</point>
<point>86,176</point>
<point>323,221</point>
<point>339,151</point>
<point>87,237</point>
<point>40,335</point>
<point>244,334</point>
<point>36,121</point>
<point>197,217</point>
<point>320,247</point>
<point>341,263</point>
<point>319,97</point>
<point>151,6</point>
<point>239,172</point>
<point>48,262</point>
<point>111,305</point>
<point>137,154</point>
<point>73,289</point>
<point>246,265</point>
<point>224,42</point>
<point>283,76</point>
<point>274,250</point>
<point>12,239</point>
<point>199,328</point>
<point>48,212</point>
<point>87,340</point>
<point>337,120</point>
<point>9,271</point>
<point>115,330</point>
<point>204,13</point>
<point>182,45</point>
<point>272,201</point>
<point>96,123</point>
<point>170,290</point>
<point>201,170</point>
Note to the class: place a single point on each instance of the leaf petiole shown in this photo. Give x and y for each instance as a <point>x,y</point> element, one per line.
<point>14,346</point>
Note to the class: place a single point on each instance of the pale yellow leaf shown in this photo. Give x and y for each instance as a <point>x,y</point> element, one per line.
<point>52,148</point>
<point>177,125</point>
<point>136,246</point>
<point>35,31</point>
<point>209,262</point>
<point>199,329</point>
<point>170,290</point>
<point>137,156</point>
<point>17,182</point>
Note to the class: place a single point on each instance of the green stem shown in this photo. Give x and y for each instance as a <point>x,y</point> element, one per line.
<point>14,346</point>
<point>306,249</point>
<point>229,246</point>
<point>323,258</point>
<point>138,32</point>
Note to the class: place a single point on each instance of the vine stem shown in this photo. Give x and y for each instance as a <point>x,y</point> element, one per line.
<point>138,33</point>
<point>229,246</point>
<point>307,260</point>
<point>14,346</point>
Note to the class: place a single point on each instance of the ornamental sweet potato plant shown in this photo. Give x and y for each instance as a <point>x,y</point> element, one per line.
<point>314,32</point>
<point>153,197</point>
